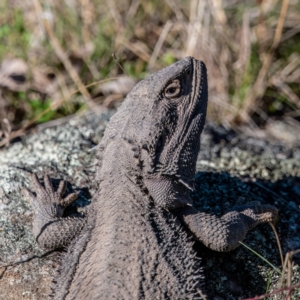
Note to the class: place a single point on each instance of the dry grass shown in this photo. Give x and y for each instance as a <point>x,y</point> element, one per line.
<point>251,51</point>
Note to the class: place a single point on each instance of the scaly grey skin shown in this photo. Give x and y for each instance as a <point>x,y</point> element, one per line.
<point>129,244</point>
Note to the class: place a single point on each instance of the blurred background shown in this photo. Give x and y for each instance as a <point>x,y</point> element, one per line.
<point>60,57</point>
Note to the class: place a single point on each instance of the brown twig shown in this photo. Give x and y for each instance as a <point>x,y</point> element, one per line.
<point>29,258</point>
<point>195,25</point>
<point>121,67</point>
<point>61,53</point>
<point>87,19</point>
<point>259,87</point>
<point>278,242</point>
<point>159,44</point>
<point>51,107</point>
<point>138,48</point>
<point>287,267</point>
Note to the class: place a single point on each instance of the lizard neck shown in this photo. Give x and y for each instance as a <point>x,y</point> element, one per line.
<point>119,168</point>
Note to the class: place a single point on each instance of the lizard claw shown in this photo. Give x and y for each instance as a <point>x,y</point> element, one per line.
<point>28,195</point>
<point>68,200</point>
<point>262,213</point>
<point>47,201</point>
<point>257,211</point>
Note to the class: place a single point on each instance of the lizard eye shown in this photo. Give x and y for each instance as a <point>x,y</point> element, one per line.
<point>173,90</point>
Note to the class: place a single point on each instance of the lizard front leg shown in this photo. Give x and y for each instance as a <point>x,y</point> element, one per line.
<point>50,229</point>
<point>224,233</point>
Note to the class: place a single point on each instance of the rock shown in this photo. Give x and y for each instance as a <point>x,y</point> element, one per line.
<point>232,168</point>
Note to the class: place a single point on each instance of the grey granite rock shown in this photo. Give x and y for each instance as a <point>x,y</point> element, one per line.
<point>63,152</point>
<point>231,167</point>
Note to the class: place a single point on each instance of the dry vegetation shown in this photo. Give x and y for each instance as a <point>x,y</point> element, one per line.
<point>55,55</point>
<point>53,49</point>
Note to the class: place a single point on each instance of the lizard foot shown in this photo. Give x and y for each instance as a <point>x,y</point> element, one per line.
<point>224,233</point>
<point>257,212</point>
<point>48,202</point>
<point>50,228</point>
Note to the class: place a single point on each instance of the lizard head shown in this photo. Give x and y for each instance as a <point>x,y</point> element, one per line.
<point>179,114</point>
<point>163,117</point>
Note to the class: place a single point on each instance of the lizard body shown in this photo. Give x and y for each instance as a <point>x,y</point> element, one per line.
<point>130,245</point>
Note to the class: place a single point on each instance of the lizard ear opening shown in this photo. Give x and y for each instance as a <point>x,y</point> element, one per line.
<point>167,192</point>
